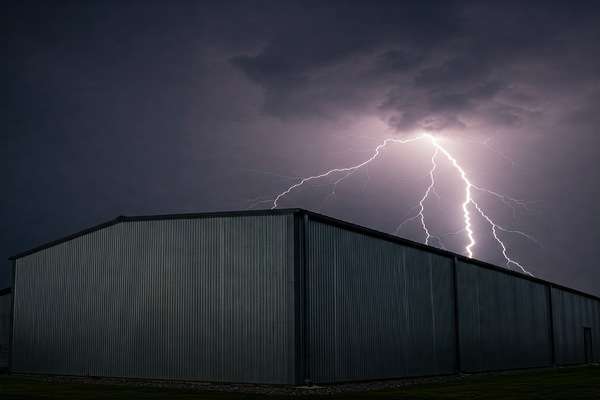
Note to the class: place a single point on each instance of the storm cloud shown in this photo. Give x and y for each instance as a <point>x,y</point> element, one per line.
<point>146,107</point>
<point>433,66</point>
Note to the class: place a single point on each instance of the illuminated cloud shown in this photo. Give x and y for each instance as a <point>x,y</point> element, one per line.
<point>127,108</point>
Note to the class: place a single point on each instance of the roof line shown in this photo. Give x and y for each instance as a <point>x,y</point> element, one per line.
<point>317,216</point>
<point>396,239</point>
<point>5,291</point>
<point>159,217</point>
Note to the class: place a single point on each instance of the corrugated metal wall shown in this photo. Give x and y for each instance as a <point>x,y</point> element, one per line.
<point>571,314</point>
<point>504,320</point>
<point>376,309</point>
<point>227,298</point>
<point>5,311</point>
<point>208,299</point>
<point>380,309</point>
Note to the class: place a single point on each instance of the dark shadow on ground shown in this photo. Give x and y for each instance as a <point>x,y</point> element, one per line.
<point>576,383</point>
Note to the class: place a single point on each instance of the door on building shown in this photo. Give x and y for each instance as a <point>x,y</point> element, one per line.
<point>587,344</point>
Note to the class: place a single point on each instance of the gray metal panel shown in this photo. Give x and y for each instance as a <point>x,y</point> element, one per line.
<point>208,299</point>
<point>573,312</point>
<point>5,326</point>
<point>376,309</point>
<point>504,320</point>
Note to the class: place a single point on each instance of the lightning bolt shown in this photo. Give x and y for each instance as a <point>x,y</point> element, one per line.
<point>468,205</point>
<point>469,200</point>
<point>337,182</point>
<point>421,206</point>
<point>347,169</point>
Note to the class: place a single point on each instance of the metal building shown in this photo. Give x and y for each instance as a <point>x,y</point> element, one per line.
<point>5,319</point>
<point>280,296</point>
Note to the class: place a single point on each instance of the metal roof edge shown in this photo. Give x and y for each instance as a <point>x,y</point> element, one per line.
<point>314,215</point>
<point>4,291</point>
<point>475,262</point>
<point>159,217</point>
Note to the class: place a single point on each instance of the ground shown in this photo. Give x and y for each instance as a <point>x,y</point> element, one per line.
<point>575,383</point>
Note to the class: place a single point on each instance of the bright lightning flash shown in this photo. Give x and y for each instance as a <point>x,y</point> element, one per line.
<point>468,205</point>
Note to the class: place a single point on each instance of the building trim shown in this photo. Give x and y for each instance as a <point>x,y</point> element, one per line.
<point>12,315</point>
<point>314,216</point>
<point>123,218</point>
<point>471,261</point>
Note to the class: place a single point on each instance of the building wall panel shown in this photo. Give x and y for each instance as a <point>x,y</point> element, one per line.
<point>504,320</point>
<point>5,327</point>
<point>208,299</point>
<point>230,298</point>
<point>572,313</point>
<point>376,309</point>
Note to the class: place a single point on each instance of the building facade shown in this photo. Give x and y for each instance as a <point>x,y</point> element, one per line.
<point>281,296</point>
<point>5,327</point>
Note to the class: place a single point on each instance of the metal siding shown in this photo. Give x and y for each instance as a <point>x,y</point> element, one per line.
<point>573,312</point>
<point>504,320</point>
<point>469,316</point>
<point>207,299</point>
<point>376,309</point>
<point>593,323</point>
<point>5,326</point>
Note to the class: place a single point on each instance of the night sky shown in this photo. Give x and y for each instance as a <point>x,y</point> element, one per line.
<point>136,108</point>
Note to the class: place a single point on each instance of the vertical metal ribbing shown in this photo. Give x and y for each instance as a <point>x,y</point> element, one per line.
<point>208,299</point>
<point>456,315</point>
<point>551,326</point>
<point>12,313</point>
<point>299,320</point>
<point>304,224</point>
<point>301,359</point>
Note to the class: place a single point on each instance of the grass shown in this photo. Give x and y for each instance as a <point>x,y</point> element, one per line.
<point>576,383</point>
<point>564,383</point>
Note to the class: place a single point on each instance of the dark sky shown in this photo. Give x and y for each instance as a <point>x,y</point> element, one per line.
<point>133,108</point>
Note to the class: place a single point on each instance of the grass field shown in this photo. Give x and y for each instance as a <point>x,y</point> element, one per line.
<point>563,383</point>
